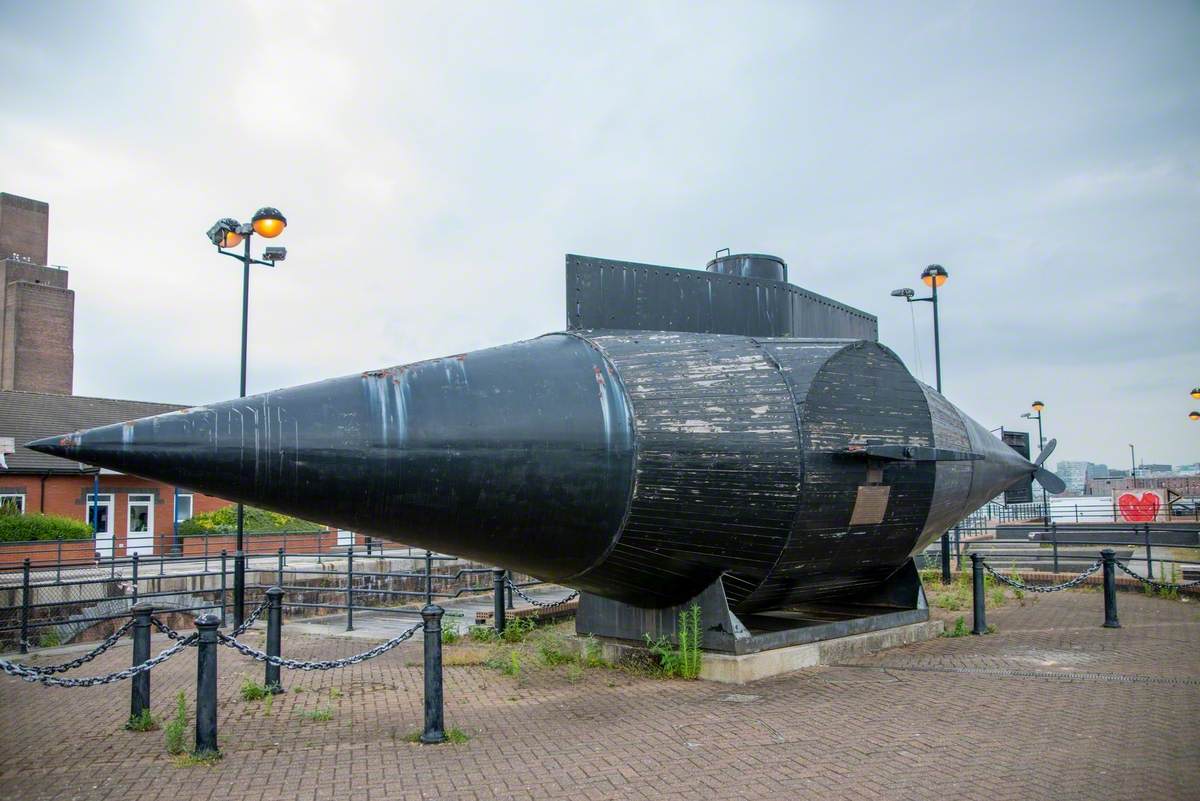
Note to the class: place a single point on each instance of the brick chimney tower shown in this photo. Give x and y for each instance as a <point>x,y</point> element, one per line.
<point>37,310</point>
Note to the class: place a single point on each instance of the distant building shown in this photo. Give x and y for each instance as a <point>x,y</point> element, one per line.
<point>1113,473</point>
<point>1098,471</point>
<point>134,515</point>
<point>1074,475</point>
<point>1188,469</point>
<point>1186,486</point>
<point>37,310</point>
<point>1154,470</point>
<point>37,331</point>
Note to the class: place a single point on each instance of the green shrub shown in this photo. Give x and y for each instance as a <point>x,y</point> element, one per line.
<point>224,521</point>
<point>450,635</point>
<point>49,639</point>
<point>23,528</point>
<point>176,732</point>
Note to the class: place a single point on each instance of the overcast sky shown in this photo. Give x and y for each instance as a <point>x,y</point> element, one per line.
<point>435,163</point>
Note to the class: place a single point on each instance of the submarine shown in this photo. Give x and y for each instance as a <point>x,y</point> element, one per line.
<point>687,429</point>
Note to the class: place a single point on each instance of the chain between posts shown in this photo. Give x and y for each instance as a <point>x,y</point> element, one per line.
<point>247,623</point>
<point>1066,585</point>
<point>540,604</point>
<point>327,664</point>
<point>107,643</point>
<point>1158,585</point>
<point>23,672</point>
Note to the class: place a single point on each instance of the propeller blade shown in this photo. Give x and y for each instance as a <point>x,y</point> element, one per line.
<point>1046,451</point>
<point>1052,483</point>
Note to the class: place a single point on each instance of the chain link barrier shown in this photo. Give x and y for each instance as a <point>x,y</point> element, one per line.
<point>540,604</point>
<point>247,623</point>
<point>326,664</point>
<point>1066,585</point>
<point>105,644</point>
<point>28,674</point>
<point>1162,586</point>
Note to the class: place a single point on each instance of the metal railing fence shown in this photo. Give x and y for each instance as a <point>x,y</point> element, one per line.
<point>49,604</point>
<point>1051,547</point>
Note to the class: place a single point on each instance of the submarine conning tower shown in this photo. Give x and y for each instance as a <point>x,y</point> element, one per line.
<point>689,429</point>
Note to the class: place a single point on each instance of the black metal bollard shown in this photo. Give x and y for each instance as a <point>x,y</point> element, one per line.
<point>979,612</point>
<point>435,722</point>
<point>350,588</point>
<point>1149,561</point>
<point>139,688</point>
<point>224,554</point>
<point>1110,589</point>
<point>239,586</point>
<point>25,606</point>
<point>946,558</point>
<point>206,685</point>
<point>274,637</point>
<point>1054,544</point>
<point>428,578</point>
<point>279,569</point>
<point>498,599</point>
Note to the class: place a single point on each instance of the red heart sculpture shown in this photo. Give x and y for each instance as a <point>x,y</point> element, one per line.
<point>1139,510</point>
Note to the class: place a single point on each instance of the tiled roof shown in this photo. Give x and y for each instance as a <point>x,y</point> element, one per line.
<point>26,416</point>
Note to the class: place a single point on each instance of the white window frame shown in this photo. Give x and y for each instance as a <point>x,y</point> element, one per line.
<point>191,499</point>
<point>105,541</point>
<point>103,499</point>
<point>145,539</point>
<point>19,497</point>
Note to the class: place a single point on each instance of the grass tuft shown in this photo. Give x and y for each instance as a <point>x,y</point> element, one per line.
<point>144,721</point>
<point>960,628</point>
<point>319,714</point>
<point>176,730</point>
<point>253,691</point>
<point>200,759</point>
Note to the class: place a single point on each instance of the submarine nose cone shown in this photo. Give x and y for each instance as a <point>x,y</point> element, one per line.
<point>54,446</point>
<point>496,455</point>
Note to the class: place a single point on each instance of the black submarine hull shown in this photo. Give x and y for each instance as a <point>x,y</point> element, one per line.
<point>640,466</point>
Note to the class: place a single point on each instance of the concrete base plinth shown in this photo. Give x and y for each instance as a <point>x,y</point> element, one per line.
<point>743,668</point>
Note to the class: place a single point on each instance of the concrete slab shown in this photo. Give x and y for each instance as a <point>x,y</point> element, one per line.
<point>744,668</point>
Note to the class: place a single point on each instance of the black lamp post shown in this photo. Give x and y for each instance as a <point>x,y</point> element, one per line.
<point>933,277</point>
<point>1194,416</point>
<point>227,232</point>
<point>1037,407</point>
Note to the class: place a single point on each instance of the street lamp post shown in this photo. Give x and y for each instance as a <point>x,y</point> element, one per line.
<point>1132,462</point>
<point>1037,407</point>
<point>1195,415</point>
<point>227,232</point>
<point>933,277</point>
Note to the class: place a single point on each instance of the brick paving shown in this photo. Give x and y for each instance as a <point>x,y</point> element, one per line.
<point>1051,706</point>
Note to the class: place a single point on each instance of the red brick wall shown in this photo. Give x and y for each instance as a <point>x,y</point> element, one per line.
<point>37,352</point>
<point>66,495</point>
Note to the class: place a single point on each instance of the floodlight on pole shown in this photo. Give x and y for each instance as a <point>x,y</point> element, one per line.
<point>227,232</point>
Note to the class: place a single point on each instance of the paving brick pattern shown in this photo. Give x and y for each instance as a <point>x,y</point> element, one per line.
<point>1091,714</point>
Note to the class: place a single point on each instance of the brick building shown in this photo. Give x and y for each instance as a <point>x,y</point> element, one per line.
<point>37,309</point>
<point>134,515</point>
